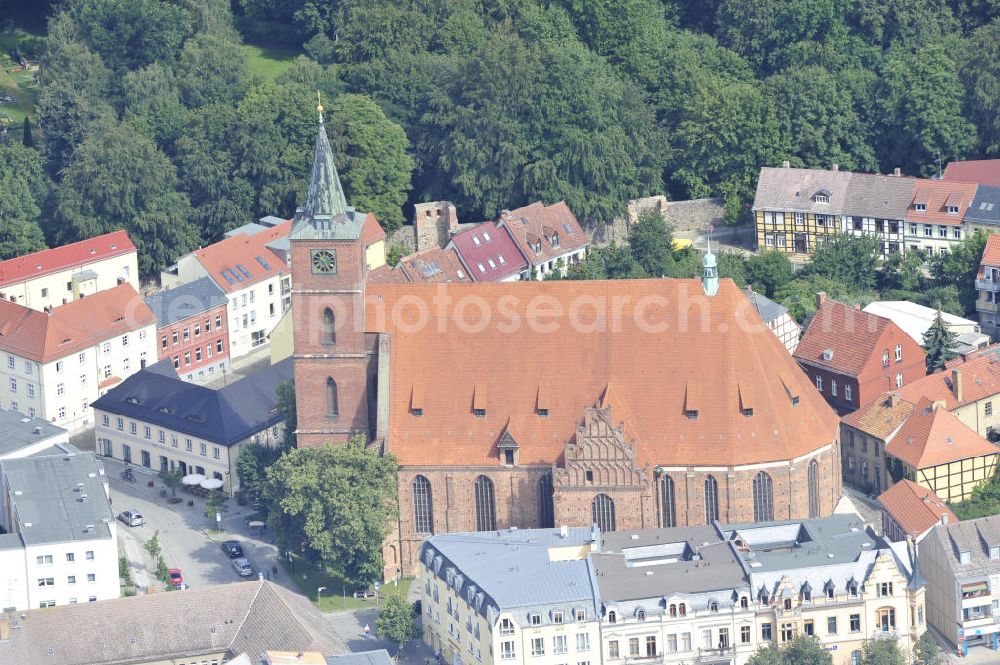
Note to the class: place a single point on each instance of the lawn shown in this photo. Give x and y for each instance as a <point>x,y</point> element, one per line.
<point>19,86</point>
<point>268,62</point>
<point>337,596</point>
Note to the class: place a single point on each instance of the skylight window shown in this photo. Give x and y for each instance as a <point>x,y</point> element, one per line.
<point>501,259</point>
<point>475,239</point>
<point>492,265</point>
<point>243,271</point>
<point>486,236</point>
<point>225,274</point>
<point>481,268</point>
<point>263,264</point>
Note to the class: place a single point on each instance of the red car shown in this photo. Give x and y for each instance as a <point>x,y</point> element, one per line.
<point>176,579</point>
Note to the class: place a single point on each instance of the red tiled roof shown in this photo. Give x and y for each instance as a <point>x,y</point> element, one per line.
<point>880,417</point>
<point>488,252</point>
<point>991,254</point>
<point>979,171</point>
<point>851,334</point>
<point>914,508</point>
<point>47,261</point>
<point>935,194</point>
<point>545,338</point>
<point>932,436</point>
<point>432,266</point>
<point>74,326</point>
<point>372,231</point>
<point>980,377</point>
<point>226,256</point>
<point>535,224</point>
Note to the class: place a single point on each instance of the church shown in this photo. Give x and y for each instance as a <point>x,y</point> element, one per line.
<point>629,404</point>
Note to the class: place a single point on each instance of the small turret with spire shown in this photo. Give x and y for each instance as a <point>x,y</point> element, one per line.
<point>325,213</point>
<point>710,278</point>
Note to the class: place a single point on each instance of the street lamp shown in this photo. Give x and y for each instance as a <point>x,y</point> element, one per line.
<point>318,591</point>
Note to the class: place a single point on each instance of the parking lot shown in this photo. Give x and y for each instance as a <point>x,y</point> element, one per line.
<point>183,533</point>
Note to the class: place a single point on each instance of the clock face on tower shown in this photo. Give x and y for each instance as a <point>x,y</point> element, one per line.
<point>324,260</point>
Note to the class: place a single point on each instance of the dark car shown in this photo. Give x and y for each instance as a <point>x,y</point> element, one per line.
<point>233,549</point>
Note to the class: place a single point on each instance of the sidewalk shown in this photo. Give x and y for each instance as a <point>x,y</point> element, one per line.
<point>136,555</point>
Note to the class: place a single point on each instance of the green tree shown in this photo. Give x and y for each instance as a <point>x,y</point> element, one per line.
<point>882,651</point>
<point>23,190</point>
<point>336,504</point>
<point>396,621</point>
<point>211,70</point>
<point>117,178</point>
<point>27,140</point>
<point>153,103</point>
<point>650,240</point>
<point>769,655</point>
<point>980,72</point>
<point>939,344</point>
<point>215,504</point>
<point>799,295</point>
<point>153,545</point>
<point>958,268</point>
<point>172,479</point>
<point>396,252</point>
<point>286,408</point>
<point>926,651</point>
<point>848,259</point>
<point>806,650</point>
<point>130,34</point>
<point>252,464</point>
<point>921,109</point>
<point>372,158</point>
<point>768,270</point>
<point>904,273</point>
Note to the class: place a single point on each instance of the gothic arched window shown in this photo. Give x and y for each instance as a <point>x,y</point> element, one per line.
<point>763,499</point>
<point>329,327</point>
<point>603,511</point>
<point>813,489</point>
<point>668,506</point>
<point>332,400</point>
<point>546,510</point>
<point>711,499</point>
<point>486,514</point>
<point>423,507</point>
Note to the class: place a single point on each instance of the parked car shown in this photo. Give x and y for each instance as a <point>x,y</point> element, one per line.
<point>176,578</point>
<point>365,593</point>
<point>233,549</point>
<point>243,567</point>
<point>131,518</point>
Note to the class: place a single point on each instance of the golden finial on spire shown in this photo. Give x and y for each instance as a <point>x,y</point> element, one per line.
<point>319,103</point>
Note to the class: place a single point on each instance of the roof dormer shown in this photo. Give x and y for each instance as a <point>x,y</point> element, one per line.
<point>822,196</point>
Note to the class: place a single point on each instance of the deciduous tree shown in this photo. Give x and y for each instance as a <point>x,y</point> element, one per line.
<point>396,621</point>
<point>849,259</point>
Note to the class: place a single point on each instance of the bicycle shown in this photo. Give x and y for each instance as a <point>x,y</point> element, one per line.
<point>127,475</point>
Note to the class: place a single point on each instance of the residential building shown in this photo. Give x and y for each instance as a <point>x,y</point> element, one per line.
<point>831,578</point>
<point>984,213</point>
<point>853,356</point>
<point>59,542</point>
<point>22,436</point>
<point>550,237</point>
<point>796,210</point>
<point>54,364</point>
<point>935,216</point>
<point>252,268</point>
<point>192,328</point>
<point>909,511</point>
<point>489,253</point>
<point>210,625</point>
<point>777,318</point>
<point>626,439</point>
<point>935,449</point>
<point>979,171</point>
<point>988,287</point>
<point>433,265</point>
<point>510,597</point>
<point>156,420</point>
<point>864,434</point>
<point>961,562</point>
<point>56,276</point>
<point>676,595</point>
<point>916,319</point>
<point>706,594</point>
<point>373,239</point>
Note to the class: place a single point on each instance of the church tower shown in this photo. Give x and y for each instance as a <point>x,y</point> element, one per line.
<point>328,291</point>
<point>710,279</point>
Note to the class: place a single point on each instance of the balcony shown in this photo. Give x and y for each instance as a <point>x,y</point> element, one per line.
<point>986,306</point>
<point>977,621</point>
<point>987,285</point>
<point>658,658</point>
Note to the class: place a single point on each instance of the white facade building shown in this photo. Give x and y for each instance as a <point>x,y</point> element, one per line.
<point>54,364</point>
<point>60,275</point>
<point>61,545</point>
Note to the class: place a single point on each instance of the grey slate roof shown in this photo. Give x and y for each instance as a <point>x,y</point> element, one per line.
<point>879,196</point>
<point>985,208</point>
<point>18,431</point>
<point>45,494</point>
<point>653,563</point>
<point>973,536</point>
<point>377,657</point>
<point>250,229</point>
<point>793,189</point>
<point>186,300</point>
<point>243,617</point>
<point>325,214</point>
<point>225,416</point>
<point>511,569</point>
<point>767,308</point>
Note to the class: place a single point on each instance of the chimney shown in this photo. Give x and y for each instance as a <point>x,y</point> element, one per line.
<point>893,399</point>
<point>836,167</point>
<point>563,531</point>
<point>896,172</point>
<point>820,299</point>
<point>944,518</point>
<point>786,164</point>
<point>938,404</point>
<point>956,384</point>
